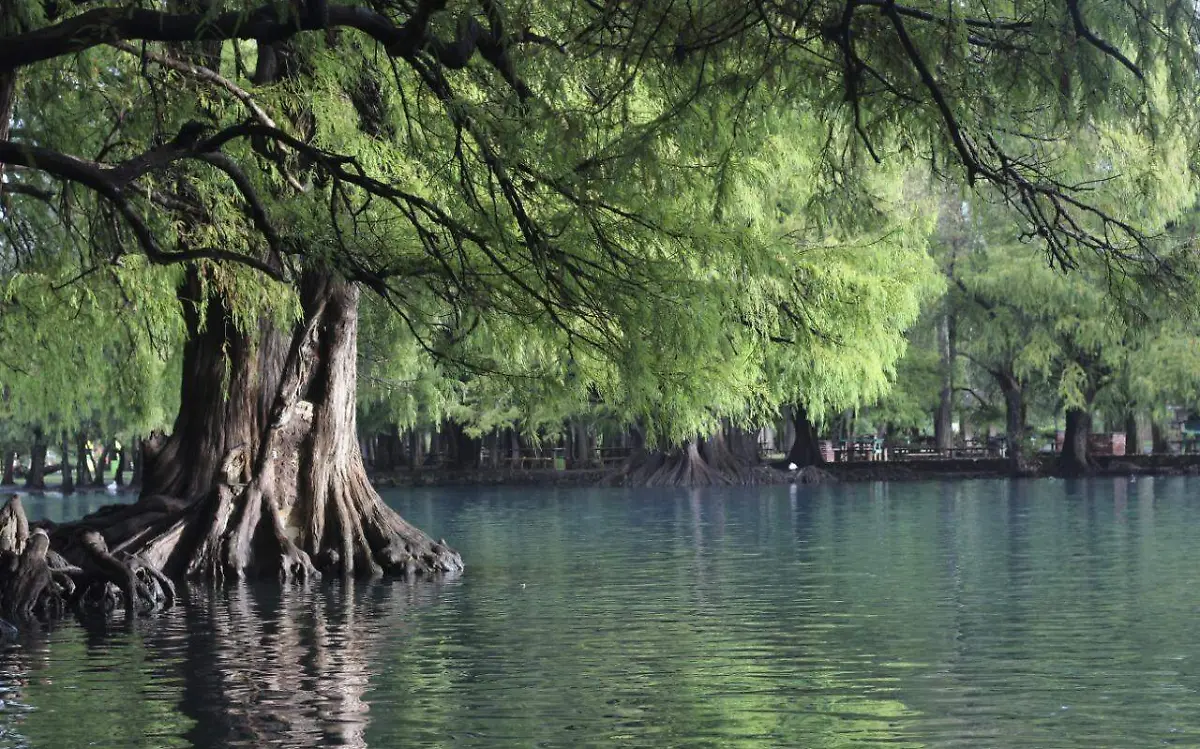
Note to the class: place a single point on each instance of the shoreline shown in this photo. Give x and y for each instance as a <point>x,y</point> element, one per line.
<point>956,469</point>
<point>764,475</point>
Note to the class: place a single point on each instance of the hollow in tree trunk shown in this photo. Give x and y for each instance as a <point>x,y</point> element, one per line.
<point>262,474</point>
<point>36,477</point>
<point>68,478</point>
<point>1074,460</point>
<point>806,448</point>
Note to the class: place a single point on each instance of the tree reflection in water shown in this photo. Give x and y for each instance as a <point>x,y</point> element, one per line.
<point>250,666</point>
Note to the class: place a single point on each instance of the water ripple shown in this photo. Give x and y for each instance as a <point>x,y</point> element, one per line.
<point>999,614</point>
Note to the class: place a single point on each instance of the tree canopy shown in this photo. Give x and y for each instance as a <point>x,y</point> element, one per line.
<point>685,212</point>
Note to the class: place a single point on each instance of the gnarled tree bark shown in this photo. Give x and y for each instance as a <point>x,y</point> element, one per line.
<point>262,474</point>
<point>39,581</point>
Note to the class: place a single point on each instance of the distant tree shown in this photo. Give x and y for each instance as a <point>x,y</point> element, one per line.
<point>562,165</point>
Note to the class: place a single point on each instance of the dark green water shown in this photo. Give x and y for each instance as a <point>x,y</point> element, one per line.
<point>973,614</point>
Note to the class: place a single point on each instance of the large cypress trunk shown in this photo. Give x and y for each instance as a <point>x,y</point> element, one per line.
<point>393,449</point>
<point>1014,417</point>
<point>463,450</point>
<point>1074,460</point>
<point>1158,436</point>
<point>122,465</point>
<point>806,449</point>
<point>1133,442</point>
<point>682,466</point>
<point>83,473</point>
<point>100,477</point>
<point>581,453</point>
<point>416,449</point>
<point>262,474</point>
<point>8,463</point>
<point>943,417</point>
<point>703,461</point>
<point>68,478</point>
<point>228,383</point>
<point>36,477</point>
<point>743,443</point>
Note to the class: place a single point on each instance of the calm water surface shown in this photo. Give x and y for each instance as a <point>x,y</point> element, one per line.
<point>974,614</point>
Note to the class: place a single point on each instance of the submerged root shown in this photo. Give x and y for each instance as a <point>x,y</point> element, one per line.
<point>29,588</point>
<point>126,557</point>
<point>39,582</point>
<point>106,577</point>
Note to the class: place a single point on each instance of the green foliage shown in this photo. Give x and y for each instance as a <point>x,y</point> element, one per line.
<point>665,214</point>
<point>1094,338</point>
<point>97,353</point>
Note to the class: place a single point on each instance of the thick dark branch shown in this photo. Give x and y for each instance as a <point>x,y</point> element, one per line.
<point>202,74</point>
<point>1082,30</point>
<point>957,137</point>
<point>60,165</point>
<point>975,23</point>
<point>254,206</point>
<point>993,371</point>
<point>974,394</point>
<point>986,304</point>
<point>267,24</point>
<point>18,188</point>
<point>109,183</point>
<point>111,25</point>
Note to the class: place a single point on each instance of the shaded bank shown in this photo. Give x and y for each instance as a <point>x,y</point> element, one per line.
<point>777,473</point>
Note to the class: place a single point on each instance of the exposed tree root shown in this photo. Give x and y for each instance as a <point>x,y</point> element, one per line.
<point>125,557</point>
<point>262,477</point>
<point>249,527</point>
<point>696,463</point>
<point>38,581</point>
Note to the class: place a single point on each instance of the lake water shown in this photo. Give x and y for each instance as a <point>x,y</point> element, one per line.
<point>973,614</point>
